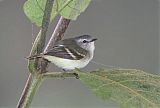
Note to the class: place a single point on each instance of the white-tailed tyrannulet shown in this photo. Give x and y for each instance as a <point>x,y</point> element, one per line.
<point>71,53</point>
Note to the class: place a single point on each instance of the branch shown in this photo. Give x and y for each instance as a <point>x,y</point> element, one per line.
<point>34,79</point>
<point>59,31</point>
<point>32,65</point>
<point>39,42</point>
<point>30,88</point>
<point>45,24</point>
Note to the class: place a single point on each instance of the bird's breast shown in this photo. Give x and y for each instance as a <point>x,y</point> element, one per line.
<point>67,63</point>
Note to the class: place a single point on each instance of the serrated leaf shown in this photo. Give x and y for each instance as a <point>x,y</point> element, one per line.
<point>70,9</point>
<point>129,87</point>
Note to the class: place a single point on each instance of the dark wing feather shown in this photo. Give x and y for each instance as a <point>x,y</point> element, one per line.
<point>67,52</point>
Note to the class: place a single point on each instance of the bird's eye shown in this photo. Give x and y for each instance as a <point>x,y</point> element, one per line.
<point>84,41</point>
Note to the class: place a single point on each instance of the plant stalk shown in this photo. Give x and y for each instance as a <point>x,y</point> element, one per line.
<point>37,67</point>
<point>58,33</point>
<point>32,84</point>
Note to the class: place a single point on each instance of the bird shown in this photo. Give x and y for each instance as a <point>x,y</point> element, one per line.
<point>70,53</point>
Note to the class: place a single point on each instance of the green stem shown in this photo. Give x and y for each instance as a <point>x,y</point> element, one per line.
<point>32,65</point>
<point>59,75</point>
<point>32,84</point>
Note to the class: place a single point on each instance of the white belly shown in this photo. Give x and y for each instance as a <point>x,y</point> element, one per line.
<point>66,63</point>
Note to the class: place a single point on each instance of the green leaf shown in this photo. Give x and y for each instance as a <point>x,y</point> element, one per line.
<point>34,10</point>
<point>129,87</point>
<point>70,9</point>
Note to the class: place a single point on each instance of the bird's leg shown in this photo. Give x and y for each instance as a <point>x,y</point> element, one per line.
<point>64,70</point>
<point>76,75</point>
<point>62,75</point>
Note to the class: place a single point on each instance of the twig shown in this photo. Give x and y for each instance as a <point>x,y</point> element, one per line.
<point>32,65</point>
<point>45,24</point>
<point>39,42</point>
<point>58,32</point>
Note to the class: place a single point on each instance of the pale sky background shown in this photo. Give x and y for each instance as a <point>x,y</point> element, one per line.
<point>127,32</point>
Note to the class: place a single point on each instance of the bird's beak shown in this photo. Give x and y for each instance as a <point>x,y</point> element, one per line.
<point>93,40</point>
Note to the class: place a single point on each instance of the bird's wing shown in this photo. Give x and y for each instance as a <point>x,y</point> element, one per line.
<point>67,52</point>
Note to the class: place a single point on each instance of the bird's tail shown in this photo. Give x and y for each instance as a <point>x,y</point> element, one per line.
<point>34,56</point>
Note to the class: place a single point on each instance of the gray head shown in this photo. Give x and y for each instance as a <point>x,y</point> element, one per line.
<point>85,41</point>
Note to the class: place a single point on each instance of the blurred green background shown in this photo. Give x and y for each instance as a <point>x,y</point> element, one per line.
<point>127,32</point>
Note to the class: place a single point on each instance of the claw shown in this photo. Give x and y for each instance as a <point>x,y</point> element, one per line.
<point>76,75</point>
